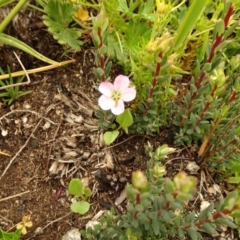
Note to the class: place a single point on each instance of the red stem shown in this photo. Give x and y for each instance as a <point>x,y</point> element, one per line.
<point>233,151</point>
<point>228,15</point>
<point>137,201</point>
<point>102,64</point>
<point>215,217</point>
<point>154,81</point>
<point>206,107</point>
<point>209,60</point>
<point>234,94</point>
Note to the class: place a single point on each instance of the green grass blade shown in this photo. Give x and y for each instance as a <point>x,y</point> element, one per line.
<point>11,41</point>
<point>189,21</point>
<point>5,2</point>
<point>4,94</point>
<point>12,14</point>
<point>21,93</point>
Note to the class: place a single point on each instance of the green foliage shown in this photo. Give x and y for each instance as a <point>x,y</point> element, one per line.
<point>8,40</point>
<point>5,2</point>
<point>11,41</point>
<point>110,137</point>
<point>11,93</point>
<point>125,120</point>
<point>156,207</point>
<point>194,12</point>
<point>77,189</point>
<point>58,17</point>
<point>10,235</point>
<point>210,110</point>
<point>105,119</point>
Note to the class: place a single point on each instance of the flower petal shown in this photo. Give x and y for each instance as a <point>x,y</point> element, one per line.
<point>129,94</point>
<point>106,103</point>
<point>116,110</point>
<point>106,88</point>
<point>121,83</point>
<point>24,231</point>
<point>29,224</point>
<point>19,226</point>
<point>26,218</point>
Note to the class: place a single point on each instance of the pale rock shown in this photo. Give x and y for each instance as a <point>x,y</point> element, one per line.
<point>72,234</point>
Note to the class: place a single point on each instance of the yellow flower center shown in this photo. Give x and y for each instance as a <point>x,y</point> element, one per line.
<point>116,96</point>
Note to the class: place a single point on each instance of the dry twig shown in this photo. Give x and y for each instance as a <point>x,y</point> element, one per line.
<point>5,154</point>
<point>27,111</point>
<point>20,150</point>
<point>54,137</point>
<point>13,196</point>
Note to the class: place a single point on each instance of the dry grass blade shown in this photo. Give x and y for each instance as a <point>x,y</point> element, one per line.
<point>35,70</point>
<point>5,154</point>
<point>17,84</point>
<point>13,196</point>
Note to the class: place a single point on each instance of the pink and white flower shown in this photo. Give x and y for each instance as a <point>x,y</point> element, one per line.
<point>114,95</point>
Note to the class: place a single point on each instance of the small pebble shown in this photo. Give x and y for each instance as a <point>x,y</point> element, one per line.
<point>33,142</point>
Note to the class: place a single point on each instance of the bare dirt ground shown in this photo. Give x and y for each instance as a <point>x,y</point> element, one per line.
<point>51,136</point>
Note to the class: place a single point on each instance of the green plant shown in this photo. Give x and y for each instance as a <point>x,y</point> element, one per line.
<point>142,40</point>
<point>10,235</point>
<point>58,17</point>
<point>21,229</point>
<point>10,88</point>
<point>77,189</point>
<point>156,207</point>
<point>6,39</point>
<point>211,106</point>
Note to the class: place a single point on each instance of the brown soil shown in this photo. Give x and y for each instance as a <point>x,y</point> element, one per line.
<point>52,136</point>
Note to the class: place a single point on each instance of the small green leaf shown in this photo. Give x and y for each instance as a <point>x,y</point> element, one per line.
<point>139,208</point>
<point>87,192</point>
<point>234,180</point>
<point>59,15</point>
<point>193,234</point>
<point>219,27</point>
<point>155,226</point>
<point>76,187</point>
<point>209,228</point>
<point>166,216</point>
<point>125,119</point>
<point>10,235</point>
<point>81,207</point>
<point>189,131</point>
<point>134,223</point>
<point>225,220</point>
<point>110,137</point>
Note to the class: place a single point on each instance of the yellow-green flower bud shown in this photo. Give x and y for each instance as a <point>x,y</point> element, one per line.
<point>158,171</point>
<point>184,183</point>
<point>218,78</point>
<point>161,6</point>
<point>161,44</point>
<point>235,61</point>
<point>139,180</point>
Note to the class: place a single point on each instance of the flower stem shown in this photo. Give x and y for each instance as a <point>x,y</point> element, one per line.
<point>154,81</point>
<point>209,60</point>
<point>102,64</point>
<point>205,108</point>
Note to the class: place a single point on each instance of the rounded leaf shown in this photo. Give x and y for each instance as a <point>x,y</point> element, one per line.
<point>80,207</point>
<point>110,137</point>
<point>75,187</point>
<point>125,119</point>
<point>87,192</point>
